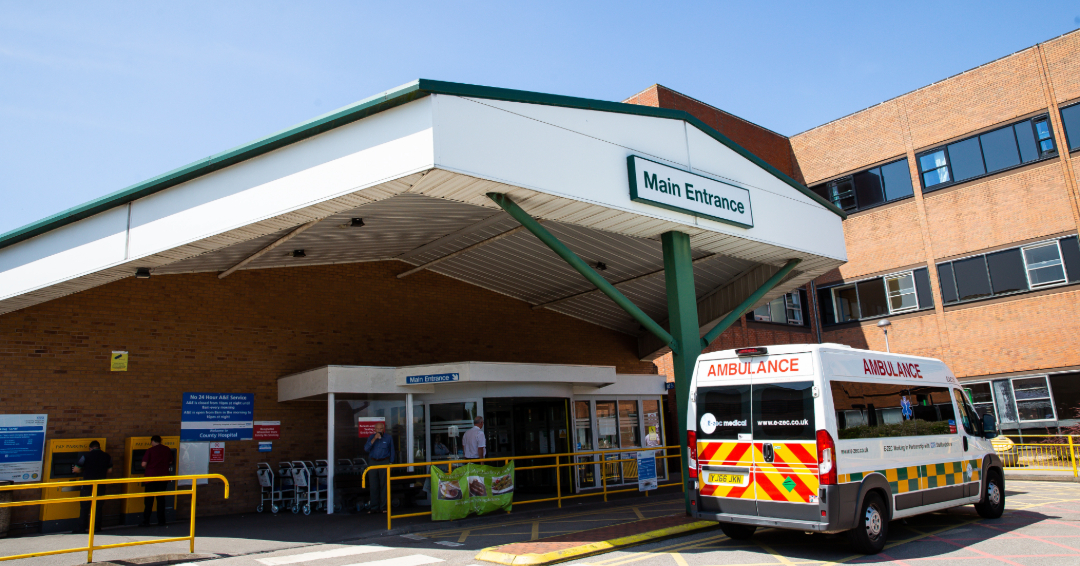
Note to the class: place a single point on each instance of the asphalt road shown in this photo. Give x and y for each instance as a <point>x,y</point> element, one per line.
<point>1041,527</point>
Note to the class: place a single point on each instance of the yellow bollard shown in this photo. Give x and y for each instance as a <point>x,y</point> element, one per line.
<point>191,531</point>
<point>558,483</point>
<point>389,509</point>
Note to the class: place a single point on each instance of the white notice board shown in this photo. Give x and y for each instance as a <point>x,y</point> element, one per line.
<point>194,459</point>
<point>22,447</point>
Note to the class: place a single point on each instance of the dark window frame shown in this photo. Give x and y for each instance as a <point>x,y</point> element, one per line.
<point>803,302</point>
<point>823,189</point>
<point>1068,139</point>
<point>1043,155</point>
<point>990,276</point>
<point>830,290</point>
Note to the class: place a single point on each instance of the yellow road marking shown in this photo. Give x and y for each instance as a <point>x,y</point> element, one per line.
<point>535,530</point>
<point>464,535</point>
<point>678,559</point>
<point>783,559</point>
<point>638,513</point>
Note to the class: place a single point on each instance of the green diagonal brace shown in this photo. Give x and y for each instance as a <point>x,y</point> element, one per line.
<point>583,268</point>
<point>744,306</point>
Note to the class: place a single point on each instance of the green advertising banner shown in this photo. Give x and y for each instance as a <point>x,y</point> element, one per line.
<point>472,488</point>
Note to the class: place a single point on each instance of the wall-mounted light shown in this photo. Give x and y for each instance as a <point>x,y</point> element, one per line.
<point>298,253</point>
<point>142,273</point>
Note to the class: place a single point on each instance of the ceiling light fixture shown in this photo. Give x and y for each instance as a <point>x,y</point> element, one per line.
<point>601,266</point>
<point>142,273</point>
<point>356,222</point>
<point>298,253</point>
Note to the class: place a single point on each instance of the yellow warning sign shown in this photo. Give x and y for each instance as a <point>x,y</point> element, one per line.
<point>119,361</point>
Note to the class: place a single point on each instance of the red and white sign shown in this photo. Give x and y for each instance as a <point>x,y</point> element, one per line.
<point>782,365</point>
<point>366,425</point>
<point>217,452</point>
<point>266,430</point>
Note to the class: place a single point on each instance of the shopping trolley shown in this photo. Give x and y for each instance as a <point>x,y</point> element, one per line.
<point>271,487</point>
<point>308,491</point>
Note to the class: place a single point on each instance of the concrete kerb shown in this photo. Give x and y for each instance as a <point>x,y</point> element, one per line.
<point>599,547</point>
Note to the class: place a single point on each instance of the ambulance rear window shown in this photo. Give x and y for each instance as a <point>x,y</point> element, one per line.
<point>723,412</point>
<point>784,411</point>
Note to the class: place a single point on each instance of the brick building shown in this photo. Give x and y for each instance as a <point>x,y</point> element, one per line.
<point>963,211</point>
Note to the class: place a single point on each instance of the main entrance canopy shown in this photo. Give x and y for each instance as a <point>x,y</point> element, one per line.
<point>406,175</point>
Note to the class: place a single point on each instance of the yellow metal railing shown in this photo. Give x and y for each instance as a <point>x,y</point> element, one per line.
<point>93,498</point>
<point>1058,455</point>
<point>557,465</point>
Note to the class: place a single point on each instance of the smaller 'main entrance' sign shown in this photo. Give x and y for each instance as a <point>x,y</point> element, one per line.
<point>674,189</point>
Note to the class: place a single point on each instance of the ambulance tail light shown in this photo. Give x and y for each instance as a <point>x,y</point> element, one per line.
<point>751,351</point>
<point>826,454</point>
<point>691,449</point>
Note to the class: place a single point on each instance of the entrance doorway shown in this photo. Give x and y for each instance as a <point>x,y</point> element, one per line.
<point>527,427</point>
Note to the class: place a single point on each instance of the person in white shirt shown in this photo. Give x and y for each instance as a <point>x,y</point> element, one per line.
<point>474,441</point>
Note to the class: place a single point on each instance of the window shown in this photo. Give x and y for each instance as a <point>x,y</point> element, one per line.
<point>996,150</point>
<point>1070,117</point>
<point>784,411</point>
<point>1044,265</point>
<point>969,419</point>
<point>1066,388</point>
<point>981,398</point>
<point>787,309</point>
<point>901,289</point>
<point>729,406</point>
<point>1013,401</point>
<point>880,410</point>
<point>1015,270</point>
<point>869,188</point>
<point>880,296</point>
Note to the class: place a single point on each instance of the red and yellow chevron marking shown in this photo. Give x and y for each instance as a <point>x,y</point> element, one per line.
<point>794,461</point>
<point>720,453</point>
<point>725,453</point>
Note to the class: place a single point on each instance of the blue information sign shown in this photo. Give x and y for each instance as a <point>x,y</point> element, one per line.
<point>22,447</point>
<point>646,470</point>
<point>435,378</point>
<point>207,417</point>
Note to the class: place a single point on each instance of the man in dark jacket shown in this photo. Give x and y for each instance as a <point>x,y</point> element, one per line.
<point>93,465</point>
<point>380,450</point>
<point>156,462</point>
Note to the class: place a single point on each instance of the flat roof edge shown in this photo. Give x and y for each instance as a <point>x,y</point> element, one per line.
<point>362,109</point>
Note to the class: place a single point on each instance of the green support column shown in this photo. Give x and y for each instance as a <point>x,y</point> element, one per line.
<point>683,319</point>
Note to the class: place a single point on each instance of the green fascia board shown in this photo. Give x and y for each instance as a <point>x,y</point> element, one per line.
<point>367,107</point>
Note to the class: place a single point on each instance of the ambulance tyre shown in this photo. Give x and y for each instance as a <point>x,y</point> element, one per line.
<point>738,532</point>
<point>993,501</point>
<point>873,528</point>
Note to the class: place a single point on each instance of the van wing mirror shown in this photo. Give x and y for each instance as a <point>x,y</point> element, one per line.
<point>989,426</point>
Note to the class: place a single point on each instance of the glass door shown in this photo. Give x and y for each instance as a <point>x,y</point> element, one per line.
<point>654,433</point>
<point>629,437</point>
<point>447,423</point>
<point>583,442</point>
<point>607,437</point>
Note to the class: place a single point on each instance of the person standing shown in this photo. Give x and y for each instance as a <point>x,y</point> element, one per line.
<point>93,465</point>
<point>474,440</point>
<point>380,451</point>
<point>156,462</point>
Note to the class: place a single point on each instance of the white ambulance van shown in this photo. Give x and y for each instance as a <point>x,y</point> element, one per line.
<point>828,438</point>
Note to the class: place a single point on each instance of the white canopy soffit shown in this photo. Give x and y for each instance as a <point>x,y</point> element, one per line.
<point>416,164</point>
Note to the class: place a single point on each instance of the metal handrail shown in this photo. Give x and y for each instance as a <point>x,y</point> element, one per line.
<point>559,497</point>
<point>94,498</point>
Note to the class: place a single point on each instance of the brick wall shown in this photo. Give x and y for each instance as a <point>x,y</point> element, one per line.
<point>770,146</point>
<point>198,333</point>
<point>1030,332</point>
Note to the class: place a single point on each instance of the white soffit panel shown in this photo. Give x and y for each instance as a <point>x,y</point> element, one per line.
<point>522,145</point>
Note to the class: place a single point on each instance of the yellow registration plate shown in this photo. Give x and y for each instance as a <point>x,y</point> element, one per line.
<point>727,479</point>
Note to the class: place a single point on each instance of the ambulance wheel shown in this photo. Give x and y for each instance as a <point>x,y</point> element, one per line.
<point>307,509</point>
<point>869,536</point>
<point>274,509</point>
<point>738,532</point>
<point>259,508</point>
<point>993,502</point>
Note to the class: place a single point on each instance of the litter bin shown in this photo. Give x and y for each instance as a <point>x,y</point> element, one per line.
<point>5,512</point>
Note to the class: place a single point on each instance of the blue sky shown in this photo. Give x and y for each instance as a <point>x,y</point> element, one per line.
<point>98,96</point>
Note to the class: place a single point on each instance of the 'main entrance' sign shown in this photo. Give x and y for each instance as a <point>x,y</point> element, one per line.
<point>674,189</point>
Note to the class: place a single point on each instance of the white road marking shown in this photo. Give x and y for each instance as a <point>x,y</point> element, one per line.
<point>411,560</point>
<point>448,543</point>
<point>414,537</point>
<point>321,555</point>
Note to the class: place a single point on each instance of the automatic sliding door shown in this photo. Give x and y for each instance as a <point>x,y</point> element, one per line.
<point>448,422</point>
<point>583,441</point>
